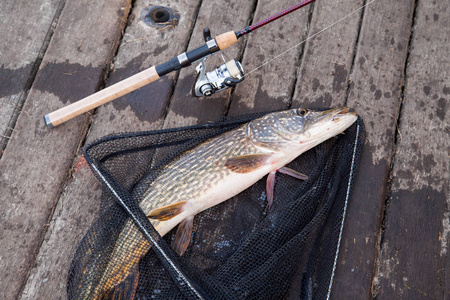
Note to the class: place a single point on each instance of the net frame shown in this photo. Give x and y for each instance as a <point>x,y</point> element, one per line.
<point>190,285</point>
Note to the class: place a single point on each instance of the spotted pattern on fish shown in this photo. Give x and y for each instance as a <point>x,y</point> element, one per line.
<point>185,178</point>
<point>202,173</point>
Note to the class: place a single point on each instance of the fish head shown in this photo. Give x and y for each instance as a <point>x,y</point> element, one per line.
<point>298,128</point>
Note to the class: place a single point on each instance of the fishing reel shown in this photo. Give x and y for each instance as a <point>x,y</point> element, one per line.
<point>225,76</point>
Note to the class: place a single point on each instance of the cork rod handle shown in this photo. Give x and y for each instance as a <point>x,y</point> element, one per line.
<point>226,39</point>
<point>101,97</point>
<point>134,82</point>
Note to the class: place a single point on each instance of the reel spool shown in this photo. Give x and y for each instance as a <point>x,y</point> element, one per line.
<point>225,76</point>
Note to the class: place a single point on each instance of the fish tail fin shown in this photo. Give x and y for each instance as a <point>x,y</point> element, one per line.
<point>126,289</point>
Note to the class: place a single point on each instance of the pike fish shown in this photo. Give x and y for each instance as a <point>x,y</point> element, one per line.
<point>207,175</point>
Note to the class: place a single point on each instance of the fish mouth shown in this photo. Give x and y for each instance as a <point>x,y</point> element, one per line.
<point>336,113</point>
<point>333,114</point>
<point>330,122</point>
<point>345,110</point>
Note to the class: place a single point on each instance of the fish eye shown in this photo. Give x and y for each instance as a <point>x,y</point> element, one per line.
<point>302,111</point>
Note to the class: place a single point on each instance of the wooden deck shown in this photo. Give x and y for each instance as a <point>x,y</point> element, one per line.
<point>390,62</point>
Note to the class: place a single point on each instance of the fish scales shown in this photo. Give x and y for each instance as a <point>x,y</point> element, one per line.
<point>201,170</point>
<point>187,175</point>
<point>208,174</point>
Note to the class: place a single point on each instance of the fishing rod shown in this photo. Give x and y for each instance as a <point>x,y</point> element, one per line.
<point>207,83</point>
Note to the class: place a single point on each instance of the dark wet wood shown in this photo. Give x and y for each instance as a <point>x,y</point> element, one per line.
<point>358,64</point>
<point>414,256</point>
<point>80,199</point>
<point>185,109</point>
<point>271,87</point>
<point>143,46</point>
<point>19,59</point>
<point>375,93</point>
<point>323,76</point>
<point>323,80</point>
<point>36,161</point>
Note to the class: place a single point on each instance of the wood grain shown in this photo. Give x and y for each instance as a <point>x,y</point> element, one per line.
<point>270,87</point>
<point>143,46</point>
<point>79,202</point>
<point>45,190</point>
<point>36,161</point>
<point>324,74</point>
<point>185,109</point>
<point>326,64</point>
<point>414,260</point>
<point>20,52</point>
<point>375,94</point>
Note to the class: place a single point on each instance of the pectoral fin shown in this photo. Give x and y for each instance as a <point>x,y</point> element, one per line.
<point>183,235</point>
<point>270,186</point>
<point>247,163</point>
<point>270,183</point>
<point>167,212</point>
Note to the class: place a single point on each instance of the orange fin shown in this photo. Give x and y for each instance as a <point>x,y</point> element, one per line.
<point>125,289</point>
<point>183,235</point>
<point>167,212</point>
<point>247,163</point>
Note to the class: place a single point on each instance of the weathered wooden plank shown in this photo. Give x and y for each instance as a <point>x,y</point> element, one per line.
<point>37,159</point>
<point>141,47</point>
<point>22,43</point>
<point>327,60</point>
<point>67,226</point>
<point>414,254</point>
<point>271,87</point>
<point>220,17</point>
<point>138,43</point>
<point>375,94</point>
<point>325,69</point>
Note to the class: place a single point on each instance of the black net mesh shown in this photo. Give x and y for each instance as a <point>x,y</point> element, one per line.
<point>239,249</point>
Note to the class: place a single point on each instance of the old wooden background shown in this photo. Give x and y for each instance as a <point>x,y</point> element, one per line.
<point>390,62</point>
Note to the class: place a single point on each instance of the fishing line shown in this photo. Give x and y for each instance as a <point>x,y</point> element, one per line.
<point>310,37</point>
<point>206,84</point>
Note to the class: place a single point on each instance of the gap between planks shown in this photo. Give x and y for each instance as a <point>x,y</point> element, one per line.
<point>355,50</point>
<point>31,77</point>
<point>397,137</point>
<point>177,73</point>
<point>88,119</point>
<point>241,55</point>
